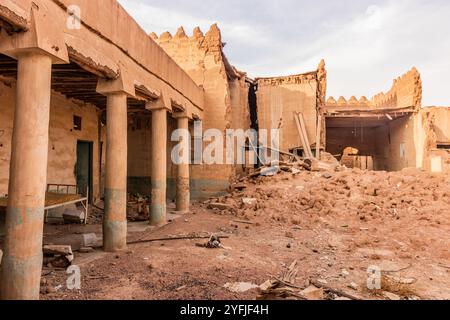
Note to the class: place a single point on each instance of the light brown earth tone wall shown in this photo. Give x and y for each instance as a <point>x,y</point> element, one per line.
<point>7,101</point>
<point>405,92</point>
<point>279,98</point>
<point>239,102</point>
<point>396,145</point>
<point>439,120</point>
<point>436,131</point>
<point>139,156</point>
<point>239,91</point>
<point>62,139</point>
<point>225,97</point>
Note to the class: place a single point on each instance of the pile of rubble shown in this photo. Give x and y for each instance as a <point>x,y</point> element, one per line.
<point>138,208</point>
<point>284,288</point>
<point>330,189</point>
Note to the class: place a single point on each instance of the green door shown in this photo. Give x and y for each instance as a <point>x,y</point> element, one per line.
<point>84,167</point>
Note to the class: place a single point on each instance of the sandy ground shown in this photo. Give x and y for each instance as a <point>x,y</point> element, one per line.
<point>335,225</point>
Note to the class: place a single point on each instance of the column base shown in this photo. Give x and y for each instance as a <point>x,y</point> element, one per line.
<point>15,286</point>
<point>114,236</point>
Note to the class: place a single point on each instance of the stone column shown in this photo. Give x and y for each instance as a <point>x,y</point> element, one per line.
<point>158,210</point>
<point>183,191</point>
<point>115,220</point>
<point>22,260</point>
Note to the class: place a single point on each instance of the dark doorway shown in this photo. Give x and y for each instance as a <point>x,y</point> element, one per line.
<point>84,168</point>
<point>253,104</point>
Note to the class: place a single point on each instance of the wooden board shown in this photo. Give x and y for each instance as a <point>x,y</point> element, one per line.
<point>300,121</point>
<point>318,135</point>
<point>51,199</point>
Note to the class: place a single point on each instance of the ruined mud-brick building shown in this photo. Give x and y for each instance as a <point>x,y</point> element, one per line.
<point>88,103</point>
<point>392,131</point>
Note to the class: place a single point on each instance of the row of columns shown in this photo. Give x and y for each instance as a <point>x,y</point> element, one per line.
<point>22,257</point>
<point>22,260</point>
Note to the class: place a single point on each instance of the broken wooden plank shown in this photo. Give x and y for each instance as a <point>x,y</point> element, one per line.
<point>305,133</point>
<point>243,222</point>
<point>318,135</point>
<point>332,290</point>
<point>300,122</point>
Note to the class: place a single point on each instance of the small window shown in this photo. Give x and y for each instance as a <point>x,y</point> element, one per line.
<point>444,146</point>
<point>77,123</point>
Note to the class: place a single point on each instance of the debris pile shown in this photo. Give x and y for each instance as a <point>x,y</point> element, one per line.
<point>289,197</point>
<point>284,288</point>
<point>213,243</point>
<point>138,208</point>
<point>57,256</point>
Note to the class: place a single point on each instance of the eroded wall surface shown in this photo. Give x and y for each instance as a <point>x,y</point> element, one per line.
<point>225,102</point>
<point>279,98</point>
<point>62,154</point>
<point>396,145</point>
<point>435,134</point>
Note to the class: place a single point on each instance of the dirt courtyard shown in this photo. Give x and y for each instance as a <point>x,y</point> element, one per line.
<point>334,225</point>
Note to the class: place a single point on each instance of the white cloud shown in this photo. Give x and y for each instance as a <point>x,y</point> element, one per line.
<point>365,44</point>
<point>159,20</point>
<point>155,19</point>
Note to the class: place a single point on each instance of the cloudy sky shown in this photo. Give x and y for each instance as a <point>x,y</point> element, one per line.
<point>365,43</point>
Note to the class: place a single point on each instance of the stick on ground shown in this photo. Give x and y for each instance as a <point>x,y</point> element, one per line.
<point>332,290</point>
<point>174,238</point>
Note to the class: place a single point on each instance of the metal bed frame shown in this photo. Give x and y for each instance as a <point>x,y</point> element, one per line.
<point>66,189</point>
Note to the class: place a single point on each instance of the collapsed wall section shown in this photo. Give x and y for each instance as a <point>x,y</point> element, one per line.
<point>386,127</point>
<point>435,134</point>
<point>396,144</point>
<point>279,98</point>
<point>405,92</point>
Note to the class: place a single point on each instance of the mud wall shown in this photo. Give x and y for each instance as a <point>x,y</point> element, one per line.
<point>63,139</point>
<point>139,156</point>
<point>435,125</point>
<point>225,102</point>
<point>279,98</point>
<point>405,92</point>
<point>396,145</point>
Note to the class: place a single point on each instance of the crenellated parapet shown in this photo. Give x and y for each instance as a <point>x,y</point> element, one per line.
<point>205,45</point>
<point>210,42</point>
<point>406,92</point>
<point>352,102</point>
